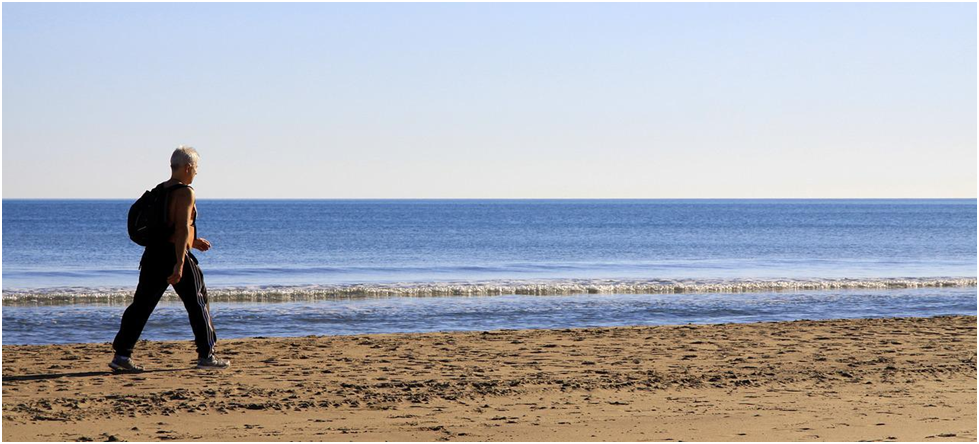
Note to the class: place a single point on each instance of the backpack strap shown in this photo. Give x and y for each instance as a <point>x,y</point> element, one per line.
<point>166,199</point>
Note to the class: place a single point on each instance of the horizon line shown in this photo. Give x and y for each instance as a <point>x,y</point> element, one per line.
<point>514,198</point>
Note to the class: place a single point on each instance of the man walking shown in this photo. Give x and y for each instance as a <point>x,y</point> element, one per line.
<point>168,261</point>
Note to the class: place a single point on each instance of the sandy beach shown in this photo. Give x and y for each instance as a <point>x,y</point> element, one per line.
<point>904,379</point>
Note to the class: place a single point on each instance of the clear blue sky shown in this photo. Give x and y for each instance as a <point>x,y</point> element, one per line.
<point>492,100</point>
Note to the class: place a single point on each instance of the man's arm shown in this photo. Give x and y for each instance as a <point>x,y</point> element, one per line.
<point>183,204</point>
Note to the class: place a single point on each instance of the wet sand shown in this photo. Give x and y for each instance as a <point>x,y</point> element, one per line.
<point>906,379</point>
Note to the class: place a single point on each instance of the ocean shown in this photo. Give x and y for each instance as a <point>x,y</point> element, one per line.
<point>300,267</point>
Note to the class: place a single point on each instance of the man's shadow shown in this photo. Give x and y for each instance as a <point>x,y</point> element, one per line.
<point>87,374</point>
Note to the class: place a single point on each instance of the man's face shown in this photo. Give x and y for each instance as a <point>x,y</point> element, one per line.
<point>192,171</point>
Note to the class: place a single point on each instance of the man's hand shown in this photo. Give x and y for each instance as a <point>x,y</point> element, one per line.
<point>178,271</point>
<point>202,244</point>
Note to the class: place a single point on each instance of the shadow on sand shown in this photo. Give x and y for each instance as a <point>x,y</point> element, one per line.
<point>87,374</point>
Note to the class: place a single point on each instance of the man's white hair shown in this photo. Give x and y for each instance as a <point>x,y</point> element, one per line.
<point>184,155</point>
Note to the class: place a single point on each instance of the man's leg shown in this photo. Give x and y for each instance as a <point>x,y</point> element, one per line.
<point>152,284</point>
<point>193,293</point>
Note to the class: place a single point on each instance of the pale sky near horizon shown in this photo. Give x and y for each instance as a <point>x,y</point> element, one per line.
<point>478,100</point>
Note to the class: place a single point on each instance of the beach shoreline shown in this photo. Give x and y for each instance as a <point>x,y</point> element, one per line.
<point>905,379</point>
<point>497,287</point>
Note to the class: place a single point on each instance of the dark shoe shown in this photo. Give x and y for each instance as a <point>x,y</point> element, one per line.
<point>123,364</point>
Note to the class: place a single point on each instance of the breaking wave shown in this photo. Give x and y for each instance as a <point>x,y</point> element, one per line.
<point>63,296</point>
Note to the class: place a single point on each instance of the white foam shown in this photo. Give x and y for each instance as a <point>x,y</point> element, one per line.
<point>489,288</point>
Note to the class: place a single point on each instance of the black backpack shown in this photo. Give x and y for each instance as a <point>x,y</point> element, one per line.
<point>148,216</point>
